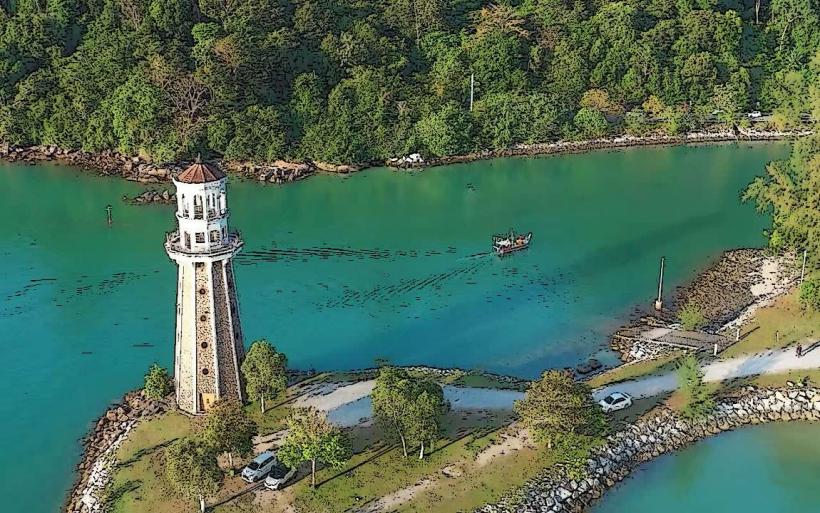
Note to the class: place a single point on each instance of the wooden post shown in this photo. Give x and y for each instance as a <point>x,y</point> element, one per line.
<point>737,334</point>
<point>714,352</point>
<point>659,301</point>
<point>108,214</point>
<point>472,90</point>
<point>803,269</point>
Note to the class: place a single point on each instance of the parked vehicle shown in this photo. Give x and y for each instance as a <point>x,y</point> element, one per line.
<point>259,467</point>
<point>754,114</point>
<point>279,475</point>
<point>615,401</point>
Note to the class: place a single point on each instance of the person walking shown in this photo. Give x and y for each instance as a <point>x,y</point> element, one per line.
<point>799,350</point>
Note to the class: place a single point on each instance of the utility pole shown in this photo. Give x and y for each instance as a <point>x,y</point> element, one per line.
<point>659,301</point>
<point>472,90</point>
<point>108,214</point>
<point>803,270</point>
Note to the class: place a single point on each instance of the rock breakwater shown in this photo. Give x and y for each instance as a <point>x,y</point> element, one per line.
<point>658,433</point>
<point>100,447</point>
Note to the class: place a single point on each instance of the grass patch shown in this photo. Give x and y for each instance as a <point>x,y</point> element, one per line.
<point>635,370</point>
<point>784,316</point>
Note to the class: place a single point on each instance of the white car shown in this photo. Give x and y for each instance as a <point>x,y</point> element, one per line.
<point>278,476</point>
<point>615,401</point>
<point>754,114</point>
<point>259,467</point>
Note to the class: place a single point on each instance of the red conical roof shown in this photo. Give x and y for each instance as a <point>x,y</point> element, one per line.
<point>200,172</point>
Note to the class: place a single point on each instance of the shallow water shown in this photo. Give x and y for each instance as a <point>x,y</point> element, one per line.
<point>769,468</point>
<point>340,271</point>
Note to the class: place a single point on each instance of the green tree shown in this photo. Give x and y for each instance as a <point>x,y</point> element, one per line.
<point>790,191</point>
<point>191,469</point>
<point>408,407</point>
<point>590,123</point>
<point>698,400</point>
<point>810,294</point>
<point>264,371</point>
<point>446,131</point>
<point>392,399</point>
<point>229,429</point>
<point>426,409</point>
<point>157,382</point>
<point>312,438</point>
<point>556,405</point>
<point>691,317</point>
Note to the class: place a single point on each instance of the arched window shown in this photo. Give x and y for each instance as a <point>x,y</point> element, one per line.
<point>198,213</point>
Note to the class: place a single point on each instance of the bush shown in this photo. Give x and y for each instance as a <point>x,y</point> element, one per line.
<point>691,317</point>
<point>810,294</point>
<point>157,382</point>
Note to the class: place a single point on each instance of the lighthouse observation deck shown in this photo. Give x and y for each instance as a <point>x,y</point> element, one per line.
<point>225,246</point>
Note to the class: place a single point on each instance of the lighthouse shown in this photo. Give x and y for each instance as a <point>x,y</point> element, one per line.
<point>208,349</point>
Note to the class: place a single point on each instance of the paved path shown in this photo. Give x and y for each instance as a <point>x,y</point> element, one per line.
<point>349,405</point>
<point>768,362</point>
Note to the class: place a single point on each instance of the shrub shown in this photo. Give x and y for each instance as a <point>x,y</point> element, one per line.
<point>691,317</point>
<point>810,294</point>
<point>157,382</point>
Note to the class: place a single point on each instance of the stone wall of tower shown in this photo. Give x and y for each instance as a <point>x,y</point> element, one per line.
<point>229,386</point>
<point>234,304</point>
<point>186,398</point>
<point>206,370</point>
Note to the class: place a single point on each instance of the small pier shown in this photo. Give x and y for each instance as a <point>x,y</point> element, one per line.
<point>674,338</point>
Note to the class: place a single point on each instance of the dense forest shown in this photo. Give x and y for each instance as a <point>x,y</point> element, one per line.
<point>363,80</point>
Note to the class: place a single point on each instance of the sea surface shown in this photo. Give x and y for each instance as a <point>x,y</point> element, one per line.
<point>768,468</point>
<point>339,271</point>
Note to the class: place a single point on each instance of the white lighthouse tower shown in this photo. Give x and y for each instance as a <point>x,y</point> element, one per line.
<point>208,349</point>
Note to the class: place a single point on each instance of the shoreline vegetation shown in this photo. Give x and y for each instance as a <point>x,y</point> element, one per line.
<point>91,489</point>
<point>109,163</point>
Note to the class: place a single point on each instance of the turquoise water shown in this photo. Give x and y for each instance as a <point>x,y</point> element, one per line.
<point>340,271</point>
<point>770,468</point>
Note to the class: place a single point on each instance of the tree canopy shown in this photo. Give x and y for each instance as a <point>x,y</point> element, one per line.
<point>157,382</point>
<point>342,81</point>
<point>408,408</point>
<point>263,370</point>
<point>311,437</point>
<point>229,429</point>
<point>191,469</point>
<point>556,405</point>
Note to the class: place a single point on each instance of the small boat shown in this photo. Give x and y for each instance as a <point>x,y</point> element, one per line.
<point>506,244</point>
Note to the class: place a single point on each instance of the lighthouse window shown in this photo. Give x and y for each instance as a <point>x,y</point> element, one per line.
<point>214,235</point>
<point>204,345</point>
<point>203,318</point>
<point>202,291</point>
<point>187,240</point>
<point>205,371</point>
<point>200,237</point>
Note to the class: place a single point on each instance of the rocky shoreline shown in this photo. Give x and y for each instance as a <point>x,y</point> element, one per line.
<point>134,168</point>
<point>99,450</point>
<point>661,432</point>
<point>740,280</point>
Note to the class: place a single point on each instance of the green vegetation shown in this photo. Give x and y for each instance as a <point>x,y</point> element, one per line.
<point>311,437</point>
<point>408,408</point>
<point>346,81</point>
<point>264,372</point>
<point>557,406</point>
<point>695,394</point>
<point>191,469</point>
<point>691,317</point>
<point>157,382</point>
<point>228,429</point>
<point>810,294</point>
